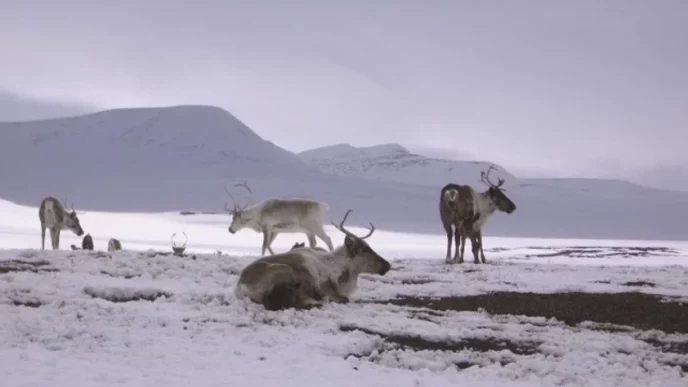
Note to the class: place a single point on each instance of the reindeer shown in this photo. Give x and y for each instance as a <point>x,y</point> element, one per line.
<point>114,245</point>
<point>86,243</point>
<point>305,277</point>
<point>273,216</point>
<point>468,210</point>
<point>53,216</point>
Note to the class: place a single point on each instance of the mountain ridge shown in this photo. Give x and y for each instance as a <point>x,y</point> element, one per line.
<point>179,158</point>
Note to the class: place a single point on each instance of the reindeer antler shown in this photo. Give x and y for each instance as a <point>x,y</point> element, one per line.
<point>341,228</point>
<point>485,177</point>
<point>236,206</point>
<point>65,204</point>
<point>186,239</point>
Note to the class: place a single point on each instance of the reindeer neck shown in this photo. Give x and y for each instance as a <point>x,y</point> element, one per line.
<point>337,262</point>
<point>486,206</point>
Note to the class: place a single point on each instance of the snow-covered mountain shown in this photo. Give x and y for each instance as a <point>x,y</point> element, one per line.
<point>393,162</point>
<point>179,158</point>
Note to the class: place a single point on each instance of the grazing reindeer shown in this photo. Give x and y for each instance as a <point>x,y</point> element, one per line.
<point>305,277</point>
<point>468,210</point>
<point>273,216</point>
<point>114,245</point>
<point>53,216</point>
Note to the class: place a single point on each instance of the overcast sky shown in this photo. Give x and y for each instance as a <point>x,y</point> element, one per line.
<point>564,88</point>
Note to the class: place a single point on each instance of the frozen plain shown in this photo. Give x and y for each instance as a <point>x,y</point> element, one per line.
<point>72,318</point>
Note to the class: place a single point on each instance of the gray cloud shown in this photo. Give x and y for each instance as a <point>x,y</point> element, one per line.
<point>582,88</point>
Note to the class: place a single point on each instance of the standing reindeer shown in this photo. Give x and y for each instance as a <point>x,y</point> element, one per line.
<point>273,216</point>
<point>54,217</point>
<point>305,277</point>
<point>468,210</point>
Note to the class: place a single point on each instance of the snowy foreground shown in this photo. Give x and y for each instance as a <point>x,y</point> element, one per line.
<point>146,318</point>
<point>87,319</point>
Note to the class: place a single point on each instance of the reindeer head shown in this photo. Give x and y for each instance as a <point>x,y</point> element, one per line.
<point>238,220</point>
<point>496,192</point>
<point>71,221</point>
<point>365,259</point>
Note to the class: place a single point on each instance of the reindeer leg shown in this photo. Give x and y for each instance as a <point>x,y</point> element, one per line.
<point>42,237</point>
<point>271,238</point>
<point>53,238</point>
<point>329,293</point>
<point>458,242</point>
<point>480,239</point>
<point>326,238</point>
<point>448,230</point>
<point>57,238</point>
<point>475,246</point>
<point>266,237</point>
<point>311,240</point>
<point>463,245</point>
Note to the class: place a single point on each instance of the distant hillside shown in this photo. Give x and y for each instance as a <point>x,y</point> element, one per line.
<point>393,162</point>
<point>179,158</point>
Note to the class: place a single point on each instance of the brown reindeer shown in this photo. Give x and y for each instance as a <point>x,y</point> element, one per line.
<point>467,211</point>
<point>305,277</point>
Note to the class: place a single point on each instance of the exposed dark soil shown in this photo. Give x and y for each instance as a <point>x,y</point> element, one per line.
<point>638,310</point>
<point>30,304</point>
<point>16,265</point>
<point>602,251</point>
<point>419,343</point>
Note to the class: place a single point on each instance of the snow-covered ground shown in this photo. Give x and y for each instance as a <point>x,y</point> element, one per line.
<point>74,318</point>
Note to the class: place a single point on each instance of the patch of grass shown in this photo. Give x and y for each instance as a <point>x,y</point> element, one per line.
<point>638,310</point>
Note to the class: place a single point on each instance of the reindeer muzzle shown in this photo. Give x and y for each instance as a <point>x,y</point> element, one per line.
<point>386,266</point>
<point>230,230</point>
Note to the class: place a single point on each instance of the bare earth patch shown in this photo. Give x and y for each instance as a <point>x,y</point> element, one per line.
<point>638,310</point>
<point>17,265</point>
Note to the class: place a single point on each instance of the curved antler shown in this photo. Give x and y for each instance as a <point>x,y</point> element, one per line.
<point>485,177</point>
<point>250,193</point>
<point>236,206</point>
<point>341,228</point>
<point>186,239</point>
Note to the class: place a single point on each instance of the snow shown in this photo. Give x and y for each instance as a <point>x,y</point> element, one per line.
<point>179,158</point>
<point>69,321</point>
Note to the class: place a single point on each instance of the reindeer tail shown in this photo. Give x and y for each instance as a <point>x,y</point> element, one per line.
<point>283,295</point>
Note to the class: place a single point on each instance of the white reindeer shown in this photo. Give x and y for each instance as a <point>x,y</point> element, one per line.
<point>54,217</point>
<point>305,277</point>
<point>273,216</point>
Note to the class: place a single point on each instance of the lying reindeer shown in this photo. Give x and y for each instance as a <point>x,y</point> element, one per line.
<point>306,277</point>
<point>114,245</point>
<point>86,243</point>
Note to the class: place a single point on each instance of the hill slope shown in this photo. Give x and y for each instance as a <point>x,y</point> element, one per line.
<point>393,162</point>
<point>179,158</point>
